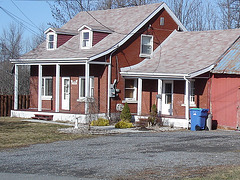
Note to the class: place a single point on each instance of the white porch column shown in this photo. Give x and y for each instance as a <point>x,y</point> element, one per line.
<point>139,106</point>
<point>39,87</point>
<point>87,94</point>
<point>16,88</point>
<point>187,98</point>
<point>109,86</point>
<point>159,100</point>
<point>57,88</point>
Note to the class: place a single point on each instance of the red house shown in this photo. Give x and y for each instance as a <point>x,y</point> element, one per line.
<point>77,68</point>
<point>141,55</point>
<point>179,75</point>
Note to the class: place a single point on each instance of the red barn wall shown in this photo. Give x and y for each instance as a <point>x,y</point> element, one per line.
<point>225,99</point>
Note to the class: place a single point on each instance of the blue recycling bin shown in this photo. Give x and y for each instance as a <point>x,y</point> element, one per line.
<point>198,118</point>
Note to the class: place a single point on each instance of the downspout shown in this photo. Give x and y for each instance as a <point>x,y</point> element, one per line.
<point>186,99</point>
<point>109,83</point>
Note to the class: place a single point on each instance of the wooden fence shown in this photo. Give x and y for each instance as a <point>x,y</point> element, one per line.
<point>7,103</point>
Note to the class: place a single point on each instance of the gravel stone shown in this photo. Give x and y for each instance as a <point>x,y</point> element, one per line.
<point>159,155</point>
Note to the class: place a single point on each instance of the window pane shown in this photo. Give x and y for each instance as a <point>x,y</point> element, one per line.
<point>85,43</point>
<point>82,87</point>
<point>168,98</point>
<point>86,35</point>
<point>48,88</point>
<point>42,87</point>
<point>129,83</point>
<point>51,37</point>
<point>129,93</point>
<point>146,40</point>
<point>168,88</point>
<point>50,45</point>
<point>91,87</point>
<point>146,49</point>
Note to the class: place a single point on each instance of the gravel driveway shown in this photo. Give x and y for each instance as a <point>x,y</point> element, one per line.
<point>159,155</point>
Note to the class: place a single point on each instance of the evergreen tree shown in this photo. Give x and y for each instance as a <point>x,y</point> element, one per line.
<point>126,114</point>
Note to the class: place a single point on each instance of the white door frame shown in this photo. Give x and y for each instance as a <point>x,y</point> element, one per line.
<point>167,109</point>
<point>66,101</point>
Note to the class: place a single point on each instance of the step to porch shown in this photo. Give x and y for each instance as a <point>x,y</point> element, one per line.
<point>43,117</point>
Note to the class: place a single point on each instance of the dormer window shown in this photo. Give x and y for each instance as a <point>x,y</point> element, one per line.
<point>51,41</point>
<point>86,39</point>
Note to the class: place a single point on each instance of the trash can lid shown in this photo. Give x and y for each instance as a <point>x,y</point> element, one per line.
<point>199,109</point>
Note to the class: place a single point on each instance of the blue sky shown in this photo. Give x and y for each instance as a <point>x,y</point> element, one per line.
<point>37,11</point>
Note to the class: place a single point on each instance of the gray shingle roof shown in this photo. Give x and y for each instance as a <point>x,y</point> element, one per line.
<point>122,21</point>
<point>187,52</point>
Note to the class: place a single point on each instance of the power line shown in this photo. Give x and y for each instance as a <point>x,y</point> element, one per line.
<point>24,14</point>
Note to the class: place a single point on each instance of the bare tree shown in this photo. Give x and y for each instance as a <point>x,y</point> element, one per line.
<point>112,4</point>
<point>11,47</point>
<point>196,15</point>
<point>230,13</point>
<point>64,10</point>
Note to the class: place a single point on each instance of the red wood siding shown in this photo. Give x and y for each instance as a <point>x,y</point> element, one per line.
<point>224,99</point>
<point>63,38</point>
<point>98,36</point>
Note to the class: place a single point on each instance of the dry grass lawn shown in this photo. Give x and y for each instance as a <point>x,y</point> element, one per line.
<point>16,133</point>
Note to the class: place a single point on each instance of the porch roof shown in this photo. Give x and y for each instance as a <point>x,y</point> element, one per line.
<point>185,53</point>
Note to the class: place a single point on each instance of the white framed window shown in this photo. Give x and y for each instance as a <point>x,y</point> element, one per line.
<point>86,39</point>
<point>130,89</point>
<point>82,93</point>
<point>146,45</point>
<point>51,41</point>
<point>192,92</point>
<point>47,88</point>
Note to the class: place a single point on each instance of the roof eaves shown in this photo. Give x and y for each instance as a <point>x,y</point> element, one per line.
<point>48,61</point>
<point>154,75</point>
<point>201,71</point>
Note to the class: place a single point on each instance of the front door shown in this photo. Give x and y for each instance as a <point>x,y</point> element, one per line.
<point>167,97</point>
<point>66,93</point>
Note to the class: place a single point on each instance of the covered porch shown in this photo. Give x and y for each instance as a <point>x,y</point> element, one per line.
<point>64,89</point>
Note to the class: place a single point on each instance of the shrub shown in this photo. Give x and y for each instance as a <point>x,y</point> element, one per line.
<point>126,114</point>
<point>153,115</point>
<point>100,122</point>
<point>123,124</point>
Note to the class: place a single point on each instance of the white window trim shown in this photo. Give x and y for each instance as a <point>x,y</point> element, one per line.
<point>142,54</point>
<point>54,42</point>
<point>43,95</point>
<point>81,98</point>
<point>90,39</point>
<point>134,99</point>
